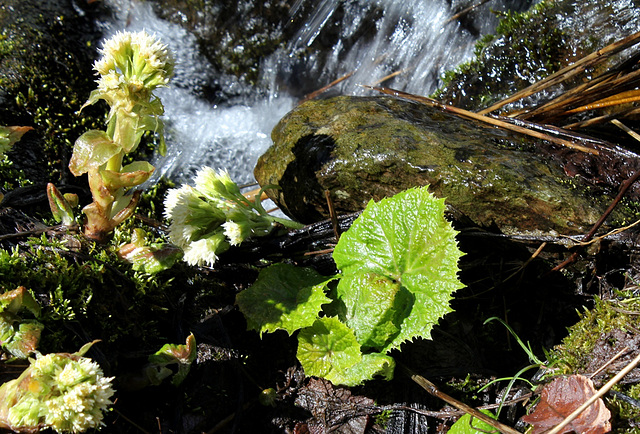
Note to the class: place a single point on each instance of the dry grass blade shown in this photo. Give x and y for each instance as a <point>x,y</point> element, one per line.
<point>323,89</point>
<point>621,98</point>
<point>613,85</point>
<point>626,129</point>
<point>507,125</point>
<point>569,71</point>
<point>604,389</point>
<point>466,10</point>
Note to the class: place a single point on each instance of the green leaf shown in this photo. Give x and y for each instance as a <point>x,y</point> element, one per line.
<point>376,306</point>
<point>283,297</point>
<point>400,257</point>
<point>467,425</point>
<point>25,339</point>
<point>91,150</point>
<point>371,365</point>
<point>131,175</point>
<point>182,355</point>
<point>329,349</point>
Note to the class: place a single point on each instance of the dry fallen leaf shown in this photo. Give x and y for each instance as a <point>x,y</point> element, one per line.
<point>560,398</point>
<point>334,409</point>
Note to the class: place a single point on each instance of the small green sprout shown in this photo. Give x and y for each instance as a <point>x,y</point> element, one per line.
<point>210,217</point>
<point>9,136</point>
<point>19,337</point>
<point>65,392</point>
<point>149,258</point>
<point>132,66</point>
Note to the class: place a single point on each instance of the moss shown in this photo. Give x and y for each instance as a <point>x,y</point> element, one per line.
<point>526,47</point>
<point>46,56</point>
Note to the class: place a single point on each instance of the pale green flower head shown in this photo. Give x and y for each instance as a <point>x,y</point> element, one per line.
<point>65,392</point>
<point>217,185</point>
<point>134,63</point>
<point>192,217</point>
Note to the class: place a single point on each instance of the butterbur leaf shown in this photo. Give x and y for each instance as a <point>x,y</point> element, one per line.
<point>470,425</point>
<point>376,306</point>
<point>19,337</point>
<point>25,339</point>
<point>408,251</point>
<point>91,150</point>
<point>283,297</point>
<point>169,354</point>
<point>559,398</point>
<point>10,135</point>
<point>150,259</point>
<point>60,206</point>
<point>17,299</point>
<point>131,175</point>
<point>329,349</point>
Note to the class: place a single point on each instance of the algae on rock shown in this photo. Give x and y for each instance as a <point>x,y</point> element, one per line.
<point>363,148</point>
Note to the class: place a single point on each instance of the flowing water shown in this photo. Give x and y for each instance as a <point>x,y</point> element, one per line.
<point>412,40</point>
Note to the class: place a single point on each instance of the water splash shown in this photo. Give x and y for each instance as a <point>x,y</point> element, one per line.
<point>410,39</point>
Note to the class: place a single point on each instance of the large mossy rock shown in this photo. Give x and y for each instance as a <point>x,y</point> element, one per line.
<point>363,148</point>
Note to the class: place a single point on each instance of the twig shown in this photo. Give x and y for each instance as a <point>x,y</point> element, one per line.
<point>610,361</point>
<point>626,129</point>
<point>604,389</point>
<point>314,94</point>
<point>433,390</point>
<point>332,214</point>
<point>626,184</point>
<point>466,11</point>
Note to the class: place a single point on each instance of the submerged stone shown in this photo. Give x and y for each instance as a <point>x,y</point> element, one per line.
<point>364,148</point>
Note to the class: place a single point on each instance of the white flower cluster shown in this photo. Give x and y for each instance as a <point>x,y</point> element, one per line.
<point>65,392</point>
<point>133,62</point>
<point>212,216</point>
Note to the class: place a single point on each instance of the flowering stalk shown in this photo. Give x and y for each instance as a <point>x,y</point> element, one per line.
<point>65,392</point>
<point>132,66</point>
<point>214,215</point>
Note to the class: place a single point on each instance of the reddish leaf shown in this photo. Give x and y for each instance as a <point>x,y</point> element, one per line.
<point>560,398</point>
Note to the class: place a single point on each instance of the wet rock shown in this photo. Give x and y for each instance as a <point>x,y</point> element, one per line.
<point>529,46</point>
<point>363,148</point>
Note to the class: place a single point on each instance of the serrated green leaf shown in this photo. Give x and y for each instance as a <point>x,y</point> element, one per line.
<point>283,297</point>
<point>467,425</point>
<point>329,349</point>
<point>404,240</point>
<point>376,307</point>
<point>371,365</point>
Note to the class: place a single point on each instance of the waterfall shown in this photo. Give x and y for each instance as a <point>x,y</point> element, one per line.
<point>411,40</point>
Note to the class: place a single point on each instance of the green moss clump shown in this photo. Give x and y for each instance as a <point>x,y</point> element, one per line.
<point>46,57</point>
<point>601,333</point>
<point>527,46</point>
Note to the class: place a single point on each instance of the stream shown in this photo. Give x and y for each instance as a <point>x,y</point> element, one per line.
<point>412,39</point>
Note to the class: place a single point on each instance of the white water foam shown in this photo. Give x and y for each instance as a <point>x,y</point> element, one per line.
<point>411,36</point>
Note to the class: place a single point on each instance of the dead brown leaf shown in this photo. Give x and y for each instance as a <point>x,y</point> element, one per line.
<point>560,398</point>
<point>334,409</point>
